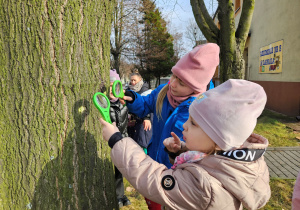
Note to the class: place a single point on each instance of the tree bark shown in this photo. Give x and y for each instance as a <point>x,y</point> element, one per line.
<point>54,55</point>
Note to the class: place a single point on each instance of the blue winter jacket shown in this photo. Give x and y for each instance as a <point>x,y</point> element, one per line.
<point>172,120</point>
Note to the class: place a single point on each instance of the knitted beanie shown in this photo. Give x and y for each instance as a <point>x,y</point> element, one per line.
<point>229,112</point>
<point>197,68</point>
<point>113,75</point>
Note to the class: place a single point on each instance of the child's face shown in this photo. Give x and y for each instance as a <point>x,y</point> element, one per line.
<point>134,79</point>
<point>178,87</point>
<point>196,139</point>
<point>111,96</point>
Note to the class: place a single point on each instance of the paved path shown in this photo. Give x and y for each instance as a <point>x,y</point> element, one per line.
<point>283,162</point>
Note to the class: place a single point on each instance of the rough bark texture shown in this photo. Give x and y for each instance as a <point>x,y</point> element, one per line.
<point>54,55</point>
<point>231,40</point>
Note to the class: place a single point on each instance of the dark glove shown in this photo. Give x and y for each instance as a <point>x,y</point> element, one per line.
<point>130,94</point>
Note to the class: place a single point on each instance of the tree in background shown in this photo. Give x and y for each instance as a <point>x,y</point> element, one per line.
<point>231,40</point>
<point>117,30</point>
<point>193,33</point>
<point>126,68</point>
<point>54,55</point>
<point>178,45</point>
<point>156,53</point>
<point>123,37</point>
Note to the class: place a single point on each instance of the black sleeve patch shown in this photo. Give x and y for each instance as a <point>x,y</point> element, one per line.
<point>168,182</point>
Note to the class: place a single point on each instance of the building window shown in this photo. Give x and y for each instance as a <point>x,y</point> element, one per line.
<point>237,5</point>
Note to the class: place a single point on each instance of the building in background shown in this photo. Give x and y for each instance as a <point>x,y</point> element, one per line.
<point>163,80</point>
<point>272,52</point>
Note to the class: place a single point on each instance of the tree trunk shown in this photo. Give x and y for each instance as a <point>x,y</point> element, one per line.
<point>116,61</point>
<point>230,39</point>
<point>231,67</point>
<point>231,58</point>
<point>118,20</point>
<point>54,55</point>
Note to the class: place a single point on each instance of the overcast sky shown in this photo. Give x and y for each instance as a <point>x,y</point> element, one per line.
<point>179,12</point>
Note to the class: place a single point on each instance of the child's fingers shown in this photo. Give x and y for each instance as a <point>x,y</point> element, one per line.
<point>149,127</point>
<point>127,98</point>
<point>176,138</point>
<point>176,147</point>
<point>103,122</point>
<point>171,145</point>
<point>167,141</point>
<point>108,129</point>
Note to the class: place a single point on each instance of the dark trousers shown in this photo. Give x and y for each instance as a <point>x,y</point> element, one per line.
<point>131,131</point>
<point>119,183</point>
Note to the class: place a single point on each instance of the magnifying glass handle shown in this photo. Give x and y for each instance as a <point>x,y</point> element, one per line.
<point>105,115</point>
<point>108,120</point>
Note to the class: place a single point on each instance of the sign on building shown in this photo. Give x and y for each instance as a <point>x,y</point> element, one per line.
<point>270,58</point>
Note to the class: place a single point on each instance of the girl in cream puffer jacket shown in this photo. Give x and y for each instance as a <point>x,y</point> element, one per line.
<point>224,167</point>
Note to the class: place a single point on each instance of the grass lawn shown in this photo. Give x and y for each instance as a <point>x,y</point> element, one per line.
<point>281,197</point>
<point>274,127</point>
<point>137,200</point>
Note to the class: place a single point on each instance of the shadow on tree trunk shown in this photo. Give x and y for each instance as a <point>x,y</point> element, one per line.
<point>76,179</point>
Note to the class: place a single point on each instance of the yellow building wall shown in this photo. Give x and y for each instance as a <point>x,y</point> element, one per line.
<point>275,20</point>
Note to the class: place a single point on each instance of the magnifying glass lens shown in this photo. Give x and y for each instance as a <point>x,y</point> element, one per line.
<point>102,101</point>
<point>118,89</point>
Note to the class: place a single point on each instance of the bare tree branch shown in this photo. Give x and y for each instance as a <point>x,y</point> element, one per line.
<point>207,17</point>
<point>245,22</point>
<point>204,21</point>
<point>193,32</point>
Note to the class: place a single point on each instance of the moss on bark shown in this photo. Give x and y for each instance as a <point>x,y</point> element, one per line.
<point>54,55</point>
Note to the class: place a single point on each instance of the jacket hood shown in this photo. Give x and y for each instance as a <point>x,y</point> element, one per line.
<point>146,85</point>
<point>144,88</point>
<point>243,172</point>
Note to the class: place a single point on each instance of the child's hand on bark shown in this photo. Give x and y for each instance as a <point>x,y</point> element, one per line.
<point>173,144</point>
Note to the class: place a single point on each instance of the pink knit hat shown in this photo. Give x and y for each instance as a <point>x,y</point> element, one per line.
<point>197,67</point>
<point>113,75</point>
<point>229,112</point>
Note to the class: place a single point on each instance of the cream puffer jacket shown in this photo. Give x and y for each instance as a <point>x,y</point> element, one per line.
<point>231,180</point>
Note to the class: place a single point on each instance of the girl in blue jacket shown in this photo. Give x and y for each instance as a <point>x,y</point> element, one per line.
<point>170,102</point>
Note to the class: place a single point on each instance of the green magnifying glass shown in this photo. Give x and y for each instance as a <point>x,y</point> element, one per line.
<point>103,104</point>
<point>117,89</point>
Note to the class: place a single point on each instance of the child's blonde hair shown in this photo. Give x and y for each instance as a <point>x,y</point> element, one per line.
<point>160,99</point>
